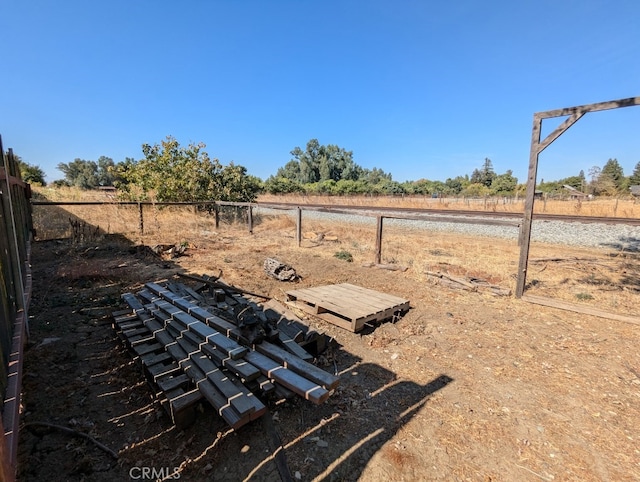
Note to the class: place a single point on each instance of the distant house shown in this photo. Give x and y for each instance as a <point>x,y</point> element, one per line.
<point>574,193</point>
<point>538,194</point>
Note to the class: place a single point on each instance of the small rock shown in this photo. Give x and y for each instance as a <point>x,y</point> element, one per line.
<point>322,443</point>
<point>298,475</point>
<point>244,449</point>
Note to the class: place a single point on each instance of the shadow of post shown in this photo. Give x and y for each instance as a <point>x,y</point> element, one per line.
<point>398,402</point>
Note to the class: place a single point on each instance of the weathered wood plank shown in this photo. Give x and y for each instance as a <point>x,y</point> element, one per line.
<point>235,397</point>
<point>289,379</point>
<point>160,370</point>
<point>153,359</point>
<point>171,381</point>
<point>147,348</point>
<point>341,322</point>
<point>213,396</point>
<point>292,347</point>
<point>586,310</point>
<point>132,301</point>
<point>240,367</point>
<point>301,367</point>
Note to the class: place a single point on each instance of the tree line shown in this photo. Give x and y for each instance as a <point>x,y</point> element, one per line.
<point>171,172</point>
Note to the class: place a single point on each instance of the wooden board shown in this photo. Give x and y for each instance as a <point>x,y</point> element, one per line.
<point>576,308</point>
<point>347,305</point>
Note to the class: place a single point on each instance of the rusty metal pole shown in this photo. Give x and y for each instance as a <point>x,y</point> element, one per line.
<point>379,240</point>
<point>140,219</point>
<point>299,226</point>
<point>250,218</point>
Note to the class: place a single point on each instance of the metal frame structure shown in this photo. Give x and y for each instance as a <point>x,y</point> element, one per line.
<point>537,146</point>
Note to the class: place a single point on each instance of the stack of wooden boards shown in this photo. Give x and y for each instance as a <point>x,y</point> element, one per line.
<point>190,354</point>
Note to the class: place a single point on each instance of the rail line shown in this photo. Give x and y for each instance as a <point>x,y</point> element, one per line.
<point>411,212</point>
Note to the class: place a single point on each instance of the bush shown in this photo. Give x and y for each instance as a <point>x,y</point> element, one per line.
<point>344,255</point>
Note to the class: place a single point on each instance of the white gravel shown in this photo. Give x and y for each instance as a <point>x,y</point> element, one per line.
<point>619,236</point>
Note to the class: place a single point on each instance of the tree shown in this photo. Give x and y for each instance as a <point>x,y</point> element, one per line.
<point>282,185</point>
<point>504,184</point>
<point>290,171</point>
<point>80,173</point>
<point>594,175</point>
<point>476,190</point>
<point>375,176</point>
<point>457,184</point>
<point>612,171</point>
<point>317,163</point>
<point>171,173</point>
<point>634,178</point>
<point>29,173</point>
<point>106,174</point>
<point>484,176</point>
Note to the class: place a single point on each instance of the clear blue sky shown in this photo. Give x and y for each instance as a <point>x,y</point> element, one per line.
<point>420,89</point>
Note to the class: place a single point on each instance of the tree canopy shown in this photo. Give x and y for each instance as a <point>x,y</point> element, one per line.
<point>173,173</point>
<point>89,174</point>
<point>331,166</point>
<point>30,173</point>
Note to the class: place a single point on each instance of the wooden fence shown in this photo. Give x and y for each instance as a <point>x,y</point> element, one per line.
<point>15,293</point>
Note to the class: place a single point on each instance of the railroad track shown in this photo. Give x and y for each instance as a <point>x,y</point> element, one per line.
<point>416,212</point>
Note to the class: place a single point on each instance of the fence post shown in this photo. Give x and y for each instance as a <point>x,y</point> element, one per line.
<point>250,220</point>
<point>299,226</point>
<point>216,212</point>
<point>140,218</point>
<point>379,240</point>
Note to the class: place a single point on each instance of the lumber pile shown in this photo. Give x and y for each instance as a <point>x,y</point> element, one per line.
<point>234,353</point>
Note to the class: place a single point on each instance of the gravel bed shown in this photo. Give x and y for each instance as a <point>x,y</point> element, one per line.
<point>618,236</point>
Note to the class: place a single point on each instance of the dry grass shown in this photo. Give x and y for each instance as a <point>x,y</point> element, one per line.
<point>604,278</point>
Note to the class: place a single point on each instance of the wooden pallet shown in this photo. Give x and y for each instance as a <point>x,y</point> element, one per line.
<point>347,305</point>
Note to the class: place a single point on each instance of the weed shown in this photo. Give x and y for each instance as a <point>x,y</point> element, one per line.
<point>344,255</point>
<point>584,296</point>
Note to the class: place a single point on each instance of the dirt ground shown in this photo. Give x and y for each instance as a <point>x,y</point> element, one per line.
<point>465,386</point>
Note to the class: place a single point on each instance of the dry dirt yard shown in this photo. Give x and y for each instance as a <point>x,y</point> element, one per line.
<point>465,386</point>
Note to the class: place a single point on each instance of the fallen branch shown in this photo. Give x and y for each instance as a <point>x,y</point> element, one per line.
<point>74,432</point>
<point>390,267</point>
<point>570,258</point>
<point>471,286</point>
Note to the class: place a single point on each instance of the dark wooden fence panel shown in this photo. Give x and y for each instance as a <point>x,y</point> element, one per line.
<point>15,290</point>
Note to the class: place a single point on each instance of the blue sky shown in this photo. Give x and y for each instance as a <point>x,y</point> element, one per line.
<point>420,89</point>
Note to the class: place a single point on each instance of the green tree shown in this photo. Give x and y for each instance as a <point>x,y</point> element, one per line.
<point>106,173</point>
<point>172,173</point>
<point>80,173</point>
<point>282,185</point>
<point>457,184</point>
<point>318,163</point>
<point>612,175</point>
<point>484,176</point>
<point>30,173</point>
<point>504,184</point>
<point>375,176</point>
<point>634,178</point>
<point>476,190</point>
